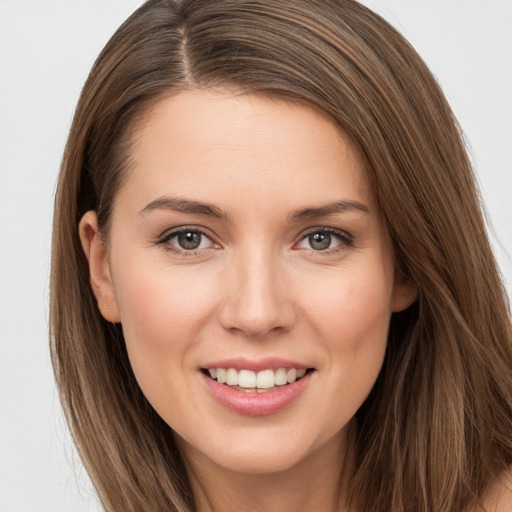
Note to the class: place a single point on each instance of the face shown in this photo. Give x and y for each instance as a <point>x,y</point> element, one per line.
<point>252,275</point>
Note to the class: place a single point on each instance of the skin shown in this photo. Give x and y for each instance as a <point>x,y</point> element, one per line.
<point>255,288</point>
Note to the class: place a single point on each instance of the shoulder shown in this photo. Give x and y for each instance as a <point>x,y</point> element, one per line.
<point>498,498</point>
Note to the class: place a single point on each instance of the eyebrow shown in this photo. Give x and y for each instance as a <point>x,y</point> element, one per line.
<point>329,209</point>
<point>198,208</point>
<point>185,206</point>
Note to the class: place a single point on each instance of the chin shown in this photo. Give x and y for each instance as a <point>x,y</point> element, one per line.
<point>257,462</point>
<point>256,452</point>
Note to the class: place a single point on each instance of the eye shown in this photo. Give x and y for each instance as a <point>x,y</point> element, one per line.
<point>186,240</point>
<point>325,240</point>
<point>189,240</point>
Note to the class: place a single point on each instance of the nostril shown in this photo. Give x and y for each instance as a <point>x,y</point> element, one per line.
<point>259,308</point>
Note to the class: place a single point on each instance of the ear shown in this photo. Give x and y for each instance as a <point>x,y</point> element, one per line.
<point>99,267</point>
<point>405,292</point>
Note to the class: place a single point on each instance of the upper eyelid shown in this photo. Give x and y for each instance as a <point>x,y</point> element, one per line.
<point>324,229</point>
<point>346,240</point>
<point>165,241</point>
<point>170,233</point>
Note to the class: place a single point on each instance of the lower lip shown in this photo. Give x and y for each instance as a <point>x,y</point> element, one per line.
<point>256,404</point>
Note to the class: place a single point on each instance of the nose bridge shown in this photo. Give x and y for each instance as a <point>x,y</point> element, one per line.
<point>256,302</point>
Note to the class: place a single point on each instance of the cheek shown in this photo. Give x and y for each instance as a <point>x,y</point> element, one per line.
<point>351,320</point>
<point>352,306</point>
<point>358,342</point>
<point>367,314</point>
<point>160,299</point>
<point>163,310</point>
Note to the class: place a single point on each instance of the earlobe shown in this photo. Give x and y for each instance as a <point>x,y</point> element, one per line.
<point>405,292</point>
<point>99,267</point>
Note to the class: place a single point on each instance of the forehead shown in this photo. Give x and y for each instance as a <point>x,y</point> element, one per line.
<point>227,146</point>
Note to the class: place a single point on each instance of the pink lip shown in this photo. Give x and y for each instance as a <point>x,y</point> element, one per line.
<point>256,404</point>
<point>258,365</point>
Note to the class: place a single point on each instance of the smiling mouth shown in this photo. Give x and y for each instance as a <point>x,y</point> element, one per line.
<point>256,382</point>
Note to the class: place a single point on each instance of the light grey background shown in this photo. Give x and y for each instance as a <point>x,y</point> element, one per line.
<point>46,50</point>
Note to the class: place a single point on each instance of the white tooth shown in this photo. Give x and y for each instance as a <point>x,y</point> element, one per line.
<point>221,375</point>
<point>265,379</point>
<point>246,379</point>
<point>280,378</point>
<point>232,377</point>
<point>212,372</point>
<point>291,375</point>
<point>301,373</point>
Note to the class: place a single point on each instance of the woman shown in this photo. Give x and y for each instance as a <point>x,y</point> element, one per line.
<point>271,286</point>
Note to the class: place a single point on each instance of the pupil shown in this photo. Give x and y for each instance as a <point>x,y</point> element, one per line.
<point>320,241</point>
<point>189,240</point>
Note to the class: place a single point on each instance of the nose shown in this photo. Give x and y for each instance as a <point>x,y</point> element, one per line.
<point>256,299</point>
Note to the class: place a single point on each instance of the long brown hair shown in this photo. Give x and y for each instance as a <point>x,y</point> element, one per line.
<point>437,427</point>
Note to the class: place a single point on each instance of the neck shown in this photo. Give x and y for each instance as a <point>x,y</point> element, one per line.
<point>318,482</point>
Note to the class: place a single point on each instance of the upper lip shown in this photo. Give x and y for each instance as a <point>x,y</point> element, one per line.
<point>256,365</point>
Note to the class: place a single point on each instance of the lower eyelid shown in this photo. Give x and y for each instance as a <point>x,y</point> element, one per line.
<point>169,235</point>
<point>203,235</point>
<point>344,238</point>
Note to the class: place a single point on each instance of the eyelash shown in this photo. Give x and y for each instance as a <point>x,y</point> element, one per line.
<point>346,240</point>
<point>167,237</point>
